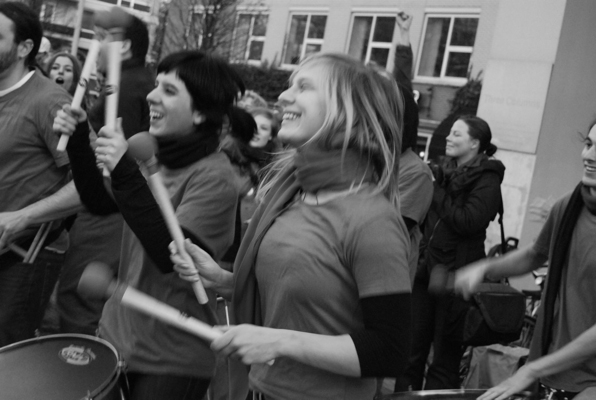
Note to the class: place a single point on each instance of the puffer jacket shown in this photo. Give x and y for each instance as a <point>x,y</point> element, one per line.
<point>465,200</point>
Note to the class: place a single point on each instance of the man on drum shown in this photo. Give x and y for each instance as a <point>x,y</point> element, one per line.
<point>562,354</point>
<point>33,174</point>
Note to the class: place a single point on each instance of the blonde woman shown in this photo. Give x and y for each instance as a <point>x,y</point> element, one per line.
<point>321,281</point>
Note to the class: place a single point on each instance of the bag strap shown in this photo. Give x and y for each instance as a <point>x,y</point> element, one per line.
<point>503,241</point>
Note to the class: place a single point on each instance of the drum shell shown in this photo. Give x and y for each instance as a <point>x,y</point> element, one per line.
<point>452,394</point>
<point>60,367</point>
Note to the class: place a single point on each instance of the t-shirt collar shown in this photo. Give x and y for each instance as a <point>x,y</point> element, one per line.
<point>17,85</point>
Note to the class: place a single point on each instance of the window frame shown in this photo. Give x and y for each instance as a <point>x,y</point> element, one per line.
<point>305,40</point>
<point>442,79</point>
<point>250,37</point>
<point>377,45</point>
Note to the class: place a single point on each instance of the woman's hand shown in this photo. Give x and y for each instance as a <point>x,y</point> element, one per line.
<point>469,277</point>
<point>67,119</point>
<point>111,145</point>
<point>251,344</point>
<point>523,378</point>
<point>208,269</point>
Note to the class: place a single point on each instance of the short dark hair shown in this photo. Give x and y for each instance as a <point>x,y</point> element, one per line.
<point>211,82</point>
<point>26,25</point>
<point>138,35</point>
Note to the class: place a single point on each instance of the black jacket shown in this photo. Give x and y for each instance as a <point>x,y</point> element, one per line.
<point>465,200</point>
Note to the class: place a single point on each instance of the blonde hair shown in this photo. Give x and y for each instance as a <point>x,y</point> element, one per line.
<point>364,113</point>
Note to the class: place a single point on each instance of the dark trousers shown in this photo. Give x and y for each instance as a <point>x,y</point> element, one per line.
<point>428,316</point>
<point>161,387</point>
<point>92,238</point>
<point>25,290</point>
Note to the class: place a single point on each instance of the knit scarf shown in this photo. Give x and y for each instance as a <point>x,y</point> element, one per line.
<point>313,170</point>
<point>180,151</point>
<point>579,198</point>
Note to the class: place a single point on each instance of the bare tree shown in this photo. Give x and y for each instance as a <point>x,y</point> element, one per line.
<point>207,25</point>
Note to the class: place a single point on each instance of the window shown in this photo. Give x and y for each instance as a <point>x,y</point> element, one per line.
<point>305,37</point>
<point>47,12</point>
<point>249,37</point>
<point>447,46</point>
<point>371,38</point>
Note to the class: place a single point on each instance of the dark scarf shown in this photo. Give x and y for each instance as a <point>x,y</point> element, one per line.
<point>313,170</point>
<point>180,151</point>
<point>579,198</point>
<point>458,179</point>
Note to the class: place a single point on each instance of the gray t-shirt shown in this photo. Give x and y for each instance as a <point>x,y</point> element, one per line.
<point>575,308</point>
<point>31,168</point>
<point>416,194</point>
<point>314,265</point>
<point>204,195</point>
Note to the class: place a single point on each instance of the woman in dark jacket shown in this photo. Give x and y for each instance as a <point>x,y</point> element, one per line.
<point>467,196</point>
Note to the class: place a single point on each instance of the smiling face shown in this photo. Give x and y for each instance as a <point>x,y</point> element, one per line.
<point>589,160</point>
<point>304,106</point>
<point>460,145</point>
<point>264,132</point>
<point>171,107</point>
<point>62,72</point>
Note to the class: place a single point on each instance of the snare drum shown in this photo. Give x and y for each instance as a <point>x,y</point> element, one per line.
<point>448,394</point>
<point>60,367</point>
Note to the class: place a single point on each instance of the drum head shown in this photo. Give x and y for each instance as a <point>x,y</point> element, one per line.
<point>451,394</point>
<point>57,367</point>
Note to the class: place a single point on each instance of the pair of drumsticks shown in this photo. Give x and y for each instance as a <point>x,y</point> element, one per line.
<point>115,21</point>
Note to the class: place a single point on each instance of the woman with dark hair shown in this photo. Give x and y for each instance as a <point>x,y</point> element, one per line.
<point>193,95</point>
<point>467,196</point>
<point>64,69</point>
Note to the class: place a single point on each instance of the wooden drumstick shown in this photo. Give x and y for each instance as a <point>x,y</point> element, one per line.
<point>81,86</point>
<point>142,148</point>
<point>115,22</point>
<point>97,282</point>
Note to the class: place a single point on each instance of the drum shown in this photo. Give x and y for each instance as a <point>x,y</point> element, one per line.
<point>60,367</point>
<point>451,394</point>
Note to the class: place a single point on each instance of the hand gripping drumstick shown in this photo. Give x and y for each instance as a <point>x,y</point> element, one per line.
<point>82,86</point>
<point>141,147</point>
<point>115,22</point>
<point>97,282</point>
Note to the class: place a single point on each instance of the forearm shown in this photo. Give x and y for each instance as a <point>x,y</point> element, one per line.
<point>63,203</point>
<point>224,284</point>
<point>515,263</point>
<point>573,354</point>
<point>335,354</point>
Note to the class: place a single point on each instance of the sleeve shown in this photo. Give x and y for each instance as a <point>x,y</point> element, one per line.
<point>378,250</point>
<point>402,66</point>
<point>481,205</point>
<point>542,243</point>
<point>384,343</point>
<point>416,193</point>
<point>208,209</point>
<point>87,177</point>
<point>54,102</point>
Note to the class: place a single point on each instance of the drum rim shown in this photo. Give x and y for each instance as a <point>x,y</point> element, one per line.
<point>424,393</point>
<point>107,384</point>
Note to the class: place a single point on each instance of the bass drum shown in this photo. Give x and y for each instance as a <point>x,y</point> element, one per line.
<point>451,394</point>
<point>60,367</point>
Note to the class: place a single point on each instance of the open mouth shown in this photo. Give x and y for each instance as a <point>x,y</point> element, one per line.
<point>60,81</point>
<point>290,116</point>
<point>155,116</point>
<point>590,168</point>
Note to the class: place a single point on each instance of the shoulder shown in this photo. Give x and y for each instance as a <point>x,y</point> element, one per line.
<point>411,164</point>
<point>366,208</point>
<point>45,90</point>
<point>215,169</point>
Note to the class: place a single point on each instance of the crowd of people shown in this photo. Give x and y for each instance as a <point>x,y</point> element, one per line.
<point>315,221</point>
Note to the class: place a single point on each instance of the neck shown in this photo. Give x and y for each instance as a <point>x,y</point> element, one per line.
<point>13,75</point>
<point>464,159</point>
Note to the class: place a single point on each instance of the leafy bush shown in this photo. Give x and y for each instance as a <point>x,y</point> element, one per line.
<point>467,97</point>
<point>267,82</point>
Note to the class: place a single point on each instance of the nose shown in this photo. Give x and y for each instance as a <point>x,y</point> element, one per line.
<point>286,97</point>
<point>152,96</point>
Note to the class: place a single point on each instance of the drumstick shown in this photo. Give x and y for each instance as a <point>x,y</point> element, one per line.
<point>141,147</point>
<point>115,22</point>
<point>81,87</point>
<point>97,282</point>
